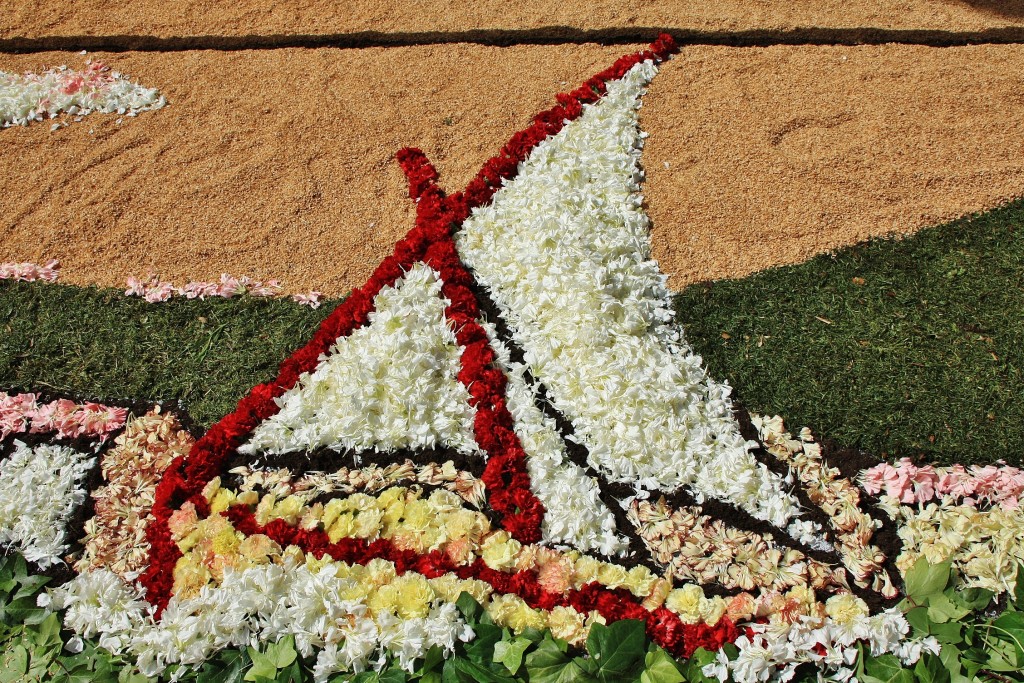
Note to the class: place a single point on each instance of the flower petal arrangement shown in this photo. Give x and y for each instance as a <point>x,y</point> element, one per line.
<point>501,443</point>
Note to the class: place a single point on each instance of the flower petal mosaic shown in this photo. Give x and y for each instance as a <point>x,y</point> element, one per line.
<point>505,412</point>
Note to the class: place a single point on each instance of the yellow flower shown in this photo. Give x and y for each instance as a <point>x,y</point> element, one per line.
<point>222,500</point>
<point>612,575</point>
<point>641,581</point>
<point>845,608</point>
<point>289,509</point>
<point>343,527</point>
<point>567,624</point>
<point>413,596</point>
<point>189,577</point>
<point>586,570</point>
<point>712,610</point>
<point>499,551</point>
<point>685,602</point>
<point>331,512</point>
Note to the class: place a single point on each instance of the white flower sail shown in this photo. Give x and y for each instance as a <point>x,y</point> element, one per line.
<point>564,251</point>
<point>389,385</point>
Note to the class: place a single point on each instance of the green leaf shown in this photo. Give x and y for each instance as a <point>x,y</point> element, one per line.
<point>660,667</point>
<point>973,599</point>
<point>510,652</point>
<point>481,648</point>
<point>47,633</point>
<point>466,671</point>
<point>941,609</point>
<point>228,667</point>
<point>693,667</point>
<point>950,657</point>
<point>918,619</point>
<point>549,664</point>
<point>30,585</point>
<point>265,665</point>
<point>393,675</point>
<point>14,664</point>
<point>926,580</point>
<point>1018,588</point>
<point>930,669</point>
<point>470,608</point>
<point>617,649</point>
<point>885,669</point>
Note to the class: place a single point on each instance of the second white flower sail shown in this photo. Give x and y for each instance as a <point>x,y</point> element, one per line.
<point>564,251</point>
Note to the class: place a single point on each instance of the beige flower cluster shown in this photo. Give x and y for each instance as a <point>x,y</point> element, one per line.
<point>696,547</point>
<point>282,482</point>
<point>837,497</point>
<point>115,537</point>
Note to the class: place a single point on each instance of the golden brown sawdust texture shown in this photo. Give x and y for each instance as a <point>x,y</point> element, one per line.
<point>29,18</point>
<point>280,163</point>
<point>775,155</point>
<point>272,163</point>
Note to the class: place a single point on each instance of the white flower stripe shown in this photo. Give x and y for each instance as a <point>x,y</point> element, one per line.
<point>564,252</point>
<point>39,490</point>
<point>575,513</point>
<point>325,610</point>
<point>391,384</point>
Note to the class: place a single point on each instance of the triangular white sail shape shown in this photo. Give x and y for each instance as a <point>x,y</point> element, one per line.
<point>389,385</point>
<point>564,251</point>
<point>393,384</point>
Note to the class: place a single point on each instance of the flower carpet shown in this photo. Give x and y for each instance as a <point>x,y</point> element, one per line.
<point>501,460</point>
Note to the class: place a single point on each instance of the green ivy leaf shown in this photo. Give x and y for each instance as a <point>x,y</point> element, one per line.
<point>941,609</point>
<point>926,580</point>
<point>481,648</point>
<point>1018,588</point>
<point>930,669</point>
<point>465,671</point>
<point>884,669</point>
<point>470,608</point>
<point>973,599</point>
<point>660,667</point>
<point>510,653</point>
<point>393,675</point>
<point>693,668</point>
<point>13,664</point>
<point>549,664</point>
<point>617,650</point>
<point>228,667</point>
<point>267,664</point>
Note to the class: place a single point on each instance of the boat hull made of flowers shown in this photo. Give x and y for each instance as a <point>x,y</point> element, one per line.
<point>506,414</point>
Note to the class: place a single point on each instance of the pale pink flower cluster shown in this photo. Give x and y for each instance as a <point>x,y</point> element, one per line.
<point>311,298</point>
<point>35,96</point>
<point>30,272</point>
<point>23,413</point>
<point>908,483</point>
<point>152,289</point>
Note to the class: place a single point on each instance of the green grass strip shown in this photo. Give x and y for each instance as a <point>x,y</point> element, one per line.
<point>207,354</point>
<point>900,347</point>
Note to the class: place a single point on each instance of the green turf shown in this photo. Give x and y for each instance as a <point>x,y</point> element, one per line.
<point>900,347</point>
<point>923,357</point>
<point>101,343</point>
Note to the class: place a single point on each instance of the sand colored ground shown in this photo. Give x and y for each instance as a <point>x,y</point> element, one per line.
<point>279,163</point>
<point>29,18</point>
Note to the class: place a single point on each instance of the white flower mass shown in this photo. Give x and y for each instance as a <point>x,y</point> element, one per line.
<point>260,604</point>
<point>32,97</point>
<point>39,490</point>
<point>390,384</point>
<point>564,251</point>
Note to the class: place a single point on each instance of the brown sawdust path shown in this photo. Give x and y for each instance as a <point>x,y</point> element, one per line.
<point>279,163</point>
<point>29,18</point>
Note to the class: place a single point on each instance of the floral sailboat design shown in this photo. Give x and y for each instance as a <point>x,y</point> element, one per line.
<point>505,409</point>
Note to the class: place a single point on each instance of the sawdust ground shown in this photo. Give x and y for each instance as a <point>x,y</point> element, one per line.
<point>279,163</point>
<point>30,18</point>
